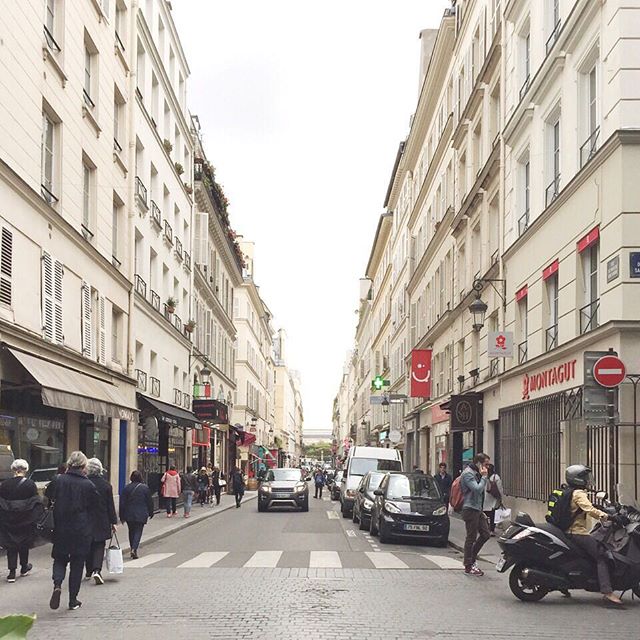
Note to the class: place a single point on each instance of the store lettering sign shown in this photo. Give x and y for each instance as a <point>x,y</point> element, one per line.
<point>548,378</point>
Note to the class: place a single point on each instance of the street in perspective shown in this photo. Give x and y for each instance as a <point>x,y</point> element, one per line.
<point>318,319</point>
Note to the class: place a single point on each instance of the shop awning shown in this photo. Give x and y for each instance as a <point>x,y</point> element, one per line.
<point>171,413</point>
<point>73,390</point>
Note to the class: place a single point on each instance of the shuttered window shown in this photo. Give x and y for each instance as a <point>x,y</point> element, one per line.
<point>102,337</point>
<point>85,312</point>
<point>6,267</point>
<point>52,298</point>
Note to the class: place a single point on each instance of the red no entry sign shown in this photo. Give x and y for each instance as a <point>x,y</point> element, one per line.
<point>609,371</point>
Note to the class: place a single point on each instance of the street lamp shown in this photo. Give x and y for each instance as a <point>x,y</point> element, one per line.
<point>478,307</point>
<point>205,374</point>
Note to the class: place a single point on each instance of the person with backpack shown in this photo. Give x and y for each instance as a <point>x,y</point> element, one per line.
<point>319,481</point>
<point>473,484</point>
<point>492,497</point>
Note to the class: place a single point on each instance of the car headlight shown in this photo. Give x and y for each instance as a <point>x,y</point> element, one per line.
<point>300,487</point>
<point>391,507</point>
<point>367,504</point>
<point>351,493</point>
<point>265,489</point>
<point>440,511</point>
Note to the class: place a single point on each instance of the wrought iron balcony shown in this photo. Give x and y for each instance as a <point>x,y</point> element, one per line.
<point>552,191</point>
<point>117,147</point>
<point>186,401</point>
<point>141,192</point>
<point>119,43</point>
<point>178,249</point>
<point>177,322</point>
<point>87,99</point>
<point>165,311</point>
<point>155,387</point>
<point>48,195</point>
<point>589,148</point>
<point>522,352</point>
<point>589,316</point>
<point>140,286</point>
<point>155,300</point>
<point>177,397</point>
<point>494,367</point>
<point>51,41</point>
<point>551,337</point>
<point>168,232</point>
<point>187,260</point>
<point>523,223</point>
<point>553,37</point>
<point>141,378</point>
<point>525,87</point>
<point>156,215</point>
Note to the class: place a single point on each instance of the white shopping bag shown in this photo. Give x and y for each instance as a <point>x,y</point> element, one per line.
<point>502,515</point>
<point>113,556</point>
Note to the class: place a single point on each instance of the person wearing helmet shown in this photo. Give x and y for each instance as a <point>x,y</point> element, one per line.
<point>580,478</point>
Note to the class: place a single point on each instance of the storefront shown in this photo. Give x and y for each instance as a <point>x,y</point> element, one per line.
<point>95,437</point>
<point>212,448</point>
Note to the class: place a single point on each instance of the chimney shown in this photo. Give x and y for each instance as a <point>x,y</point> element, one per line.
<point>427,42</point>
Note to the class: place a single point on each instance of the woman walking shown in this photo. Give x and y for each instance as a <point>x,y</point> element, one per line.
<point>492,497</point>
<point>189,487</point>
<point>171,490</point>
<point>20,510</point>
<point>136,507</point>
<point>104,520</point>
<point>238,485</point>
<point>203,486</point>
<point>215,484</point>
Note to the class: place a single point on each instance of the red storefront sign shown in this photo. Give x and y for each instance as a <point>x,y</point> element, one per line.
<point>421,373</point>
<point>201,437</point>
<point>589,239</point>
<point>551,269</point>
<point>548,378</point>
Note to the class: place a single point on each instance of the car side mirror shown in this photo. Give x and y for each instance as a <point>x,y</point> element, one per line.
<point>378,492</point>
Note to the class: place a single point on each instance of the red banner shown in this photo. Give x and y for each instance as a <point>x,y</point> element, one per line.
<point>421,373</point>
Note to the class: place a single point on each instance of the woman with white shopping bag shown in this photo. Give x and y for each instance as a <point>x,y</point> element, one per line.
<point>113,556</point>
<point>492,497</point>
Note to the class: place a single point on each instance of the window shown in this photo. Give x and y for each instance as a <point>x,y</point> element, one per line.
<point>88,188</point>
<point>48,161</point>
<point>89,90</point>
<point>118,120</point>
<point>590,115</point>
<point>554,24</point>
<point>6,267</point>
<point>590,303</point>
<point>525,61</point>
<point>551,337</point>
<point>116,232</point>
<point>121,24</point>
<point>52,294</point>
<point>524,192</point>
<point>522,323</point>
<point>553,143</point>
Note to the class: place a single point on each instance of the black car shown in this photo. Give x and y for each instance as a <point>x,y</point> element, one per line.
<point>364,499</point>
<point>284,487</point>
<point>410,505</point>
<point>335,485</point>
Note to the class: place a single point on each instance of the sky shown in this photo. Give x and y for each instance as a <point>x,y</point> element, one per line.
<point>303,104</point>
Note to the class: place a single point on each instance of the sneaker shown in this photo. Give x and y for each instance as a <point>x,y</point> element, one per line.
<point>54,603</point>
<point>26,570</point>
<point>74,604</point>
<point>134,555</point>
<point>473,571</point>
<point>97,576</point>
<point>12,576</point>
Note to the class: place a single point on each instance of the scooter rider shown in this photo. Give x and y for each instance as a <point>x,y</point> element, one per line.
<point>579,478</point>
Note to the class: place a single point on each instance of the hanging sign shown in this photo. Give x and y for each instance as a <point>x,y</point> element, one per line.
<point>500,344</point>
<point>421,373</point>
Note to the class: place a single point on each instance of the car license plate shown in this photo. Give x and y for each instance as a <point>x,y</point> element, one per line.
<point>500,564</point>
<point>416,527</point>
<point>280,495</point>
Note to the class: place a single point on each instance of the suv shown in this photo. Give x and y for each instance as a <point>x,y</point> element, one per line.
<point>283,487</point>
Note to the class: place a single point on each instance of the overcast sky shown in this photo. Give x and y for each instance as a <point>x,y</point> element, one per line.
<point>303,104</point>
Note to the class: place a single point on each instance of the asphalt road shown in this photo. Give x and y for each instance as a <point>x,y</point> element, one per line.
<point>293,576</point>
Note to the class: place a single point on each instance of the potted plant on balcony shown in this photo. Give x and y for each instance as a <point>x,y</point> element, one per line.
<point>190,326</point>
<point>171,303</point>
<point>188,188</point>
<point>168,147</point>
<point>179,168</point>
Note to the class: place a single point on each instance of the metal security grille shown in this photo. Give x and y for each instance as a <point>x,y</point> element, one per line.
<point>602,457</point>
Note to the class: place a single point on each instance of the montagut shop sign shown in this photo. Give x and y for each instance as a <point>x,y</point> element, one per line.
<point>548,378</point>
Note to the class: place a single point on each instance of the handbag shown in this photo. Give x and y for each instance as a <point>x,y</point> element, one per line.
<point>46,525</point>
<point>113,556</point>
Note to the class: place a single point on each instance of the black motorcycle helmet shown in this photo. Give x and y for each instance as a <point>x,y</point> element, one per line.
<point>578,476</point>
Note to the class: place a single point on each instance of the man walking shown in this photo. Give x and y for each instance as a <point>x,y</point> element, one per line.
<point>319,482</point>
<point>473,484</point>
<point>238,485</point>
<point>444,481</point>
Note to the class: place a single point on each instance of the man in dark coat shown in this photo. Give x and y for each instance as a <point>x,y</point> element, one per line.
<point>238,485</point>
<point>75,499</point>
<point>444,481</point>
<point>136,506</point>
<point>104,522</point>
<point>215,483</point>
<point>20,510</point>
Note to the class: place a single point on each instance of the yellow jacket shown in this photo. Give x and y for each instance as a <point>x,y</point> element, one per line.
<point>580,503</point>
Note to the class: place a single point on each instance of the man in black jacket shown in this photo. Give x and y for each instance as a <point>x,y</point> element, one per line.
<point>75,498</point>
<point>444,481</point>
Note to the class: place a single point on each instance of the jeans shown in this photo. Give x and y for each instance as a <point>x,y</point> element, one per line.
<point>238,498</point>
<point>135,534</point>
<point>491,517</point>
<point>477,534</point>
<point>319,488</point>
<point>592,548</point>
<point>188,501</point>
<point>216,490</point>
<point>171,505</point>
<point>12,557</point>
<point>95,557</point>
<point>76,567</point>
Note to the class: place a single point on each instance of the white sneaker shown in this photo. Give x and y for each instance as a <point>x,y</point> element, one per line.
<point>97,577</point>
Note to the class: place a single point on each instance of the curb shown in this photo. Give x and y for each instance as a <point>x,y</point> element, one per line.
<point>154,537</point>
<point>460,547</point>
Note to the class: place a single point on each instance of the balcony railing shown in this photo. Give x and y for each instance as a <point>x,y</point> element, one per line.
<point>186,401</point>
<point>522,352</point>
<point>179,249</point>
<point>552,191</point>
<point>177,397</point>
<point>589,316</point>
<point>155,387</point>
<point>87,99</point>
<point>187,260</point>
<point>523,223</point>
<point>156,216</point>
<point>177,322</point>
<point>494,367</point>
<point>141,378</point>
<point>168,232</point>
<point>51,41</point>
<point>553,37</point>
<point>48,195</point>
<point>140,286</point>
<point>117,147</point>
<point>165,311</point>
<point>155,300</point>
<point>551,337</point>
<point>525,87</point>
<point>87,234</point>
<point>141,192</point>
<point>588,149</point>
<point>119,42</point>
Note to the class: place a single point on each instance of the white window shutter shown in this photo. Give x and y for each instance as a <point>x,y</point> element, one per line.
<point>85,312</point>
<point>47,297</point>
<point>196,248</point>
<point>102,355</point>
<point>204,237</point>
<point>6,267</point>
<point>58,327</point>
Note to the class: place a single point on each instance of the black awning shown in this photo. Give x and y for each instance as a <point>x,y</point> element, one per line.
<point>170,413</point>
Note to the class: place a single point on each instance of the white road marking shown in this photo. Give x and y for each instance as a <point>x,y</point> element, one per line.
<point>324,560</point>
<point>444,562</point>
<point>333,515</point>
<point>385,560</point>
<point>147,560</point>
<point>204,560</point>
<point>351,533</point>
<point>264,559</point>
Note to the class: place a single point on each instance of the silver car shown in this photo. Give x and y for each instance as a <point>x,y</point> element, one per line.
<point>284,487</point>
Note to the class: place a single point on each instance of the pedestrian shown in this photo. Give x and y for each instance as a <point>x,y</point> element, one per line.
<point>189,487</point>
<point>444,481</point>
<point>20,510</point>
<point>319,481</point>
<point>237,480</point>
<point>203,486</point>
<point>473,484</point>
<point>136,507</point>
<point>492,497</point>
<point>216,476</point>
<point>51,487</point>
<point>104,522</point>
<point>171,490</point>
<point>209,488</point>
<point>74,504</point>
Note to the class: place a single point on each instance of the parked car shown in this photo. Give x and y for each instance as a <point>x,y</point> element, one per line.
<point>42,477</point>
<point>6,460</point>
<point>364,498</point>
<point>284,487</point>
<point>360,461</point>
<point>410,505</point>
<point>334,488</point>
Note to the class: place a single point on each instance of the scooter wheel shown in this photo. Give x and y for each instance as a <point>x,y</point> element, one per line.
<point>522,591</point>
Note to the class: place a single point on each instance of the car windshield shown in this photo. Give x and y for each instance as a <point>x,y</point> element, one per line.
<point>405,487</point>
<point>280,475</point>
<point>43,475</point>
<point>361,466</point>
<point>374,480</point>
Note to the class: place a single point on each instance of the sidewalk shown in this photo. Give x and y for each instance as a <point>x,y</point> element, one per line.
<point>490,552</point>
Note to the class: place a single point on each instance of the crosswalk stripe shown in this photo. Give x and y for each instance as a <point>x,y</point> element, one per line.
<point>204,560</point>
<point>264,559</point>
<point>385,560</point>
<point>325,559</point>
<point>444,562</point>
<point>147,560</point>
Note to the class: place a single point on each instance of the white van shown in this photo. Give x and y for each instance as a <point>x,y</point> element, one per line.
<point>360,461</point>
